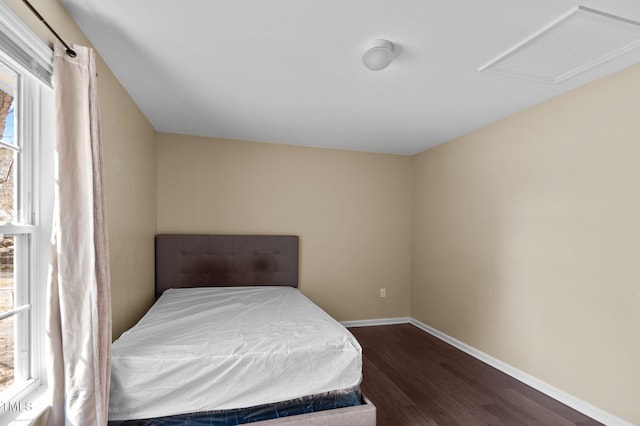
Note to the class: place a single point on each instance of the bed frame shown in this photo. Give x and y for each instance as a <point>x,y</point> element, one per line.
<point>244,260</point>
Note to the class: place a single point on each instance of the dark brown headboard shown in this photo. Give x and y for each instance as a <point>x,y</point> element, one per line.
<point>189,260</point>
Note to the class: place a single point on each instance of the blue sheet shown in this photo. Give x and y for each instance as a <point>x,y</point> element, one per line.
<point>308,404</point>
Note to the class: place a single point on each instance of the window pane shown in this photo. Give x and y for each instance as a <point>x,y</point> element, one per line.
<point>7,185</point>
<point>8,80</point>
<point>6,273</point>
<point>7,303</point>
<point>6,353</point>
<point>8,84</point>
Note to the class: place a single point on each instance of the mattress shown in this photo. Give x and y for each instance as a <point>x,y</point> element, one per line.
<point>226,348</point>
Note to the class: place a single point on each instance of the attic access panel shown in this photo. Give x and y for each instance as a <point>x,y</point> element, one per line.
<point>578,41</point>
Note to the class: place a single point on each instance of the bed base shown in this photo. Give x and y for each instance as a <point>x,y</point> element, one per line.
<point>358,415</point>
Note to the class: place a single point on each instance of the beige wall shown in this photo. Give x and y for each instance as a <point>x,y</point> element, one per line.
<point>130,173</point>
<point>350,209</point>
<point>526,241</point>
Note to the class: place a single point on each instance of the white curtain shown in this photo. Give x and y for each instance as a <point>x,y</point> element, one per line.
<point>79,317</point>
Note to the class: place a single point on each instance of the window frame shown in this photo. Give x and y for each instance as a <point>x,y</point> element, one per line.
<point>34,197</point>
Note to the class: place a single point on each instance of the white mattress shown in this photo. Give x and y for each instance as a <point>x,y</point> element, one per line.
<point>232,347</point>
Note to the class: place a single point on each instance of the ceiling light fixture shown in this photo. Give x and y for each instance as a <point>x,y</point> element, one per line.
<point>378,55</point>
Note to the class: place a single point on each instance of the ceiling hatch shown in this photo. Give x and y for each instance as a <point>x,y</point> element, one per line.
<point>578,41</point>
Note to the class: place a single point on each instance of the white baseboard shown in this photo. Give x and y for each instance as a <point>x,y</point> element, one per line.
<point>380,321</point>
<point>555,393</point>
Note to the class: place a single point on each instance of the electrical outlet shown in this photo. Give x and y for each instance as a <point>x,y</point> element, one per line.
<point>383,292</point>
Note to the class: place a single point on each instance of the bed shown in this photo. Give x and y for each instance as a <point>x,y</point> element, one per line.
<point>231,340</point>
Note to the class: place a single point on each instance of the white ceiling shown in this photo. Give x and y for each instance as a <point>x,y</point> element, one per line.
<point>290,71</point>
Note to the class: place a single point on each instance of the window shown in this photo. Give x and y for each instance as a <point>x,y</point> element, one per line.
<point>16,231</point>
<point>26,204</point>
<point>9,310</point>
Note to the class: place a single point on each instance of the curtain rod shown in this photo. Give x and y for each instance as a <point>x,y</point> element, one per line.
<point>69,51</point>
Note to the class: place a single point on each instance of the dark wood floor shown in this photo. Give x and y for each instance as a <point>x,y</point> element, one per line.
<point>414,378</point>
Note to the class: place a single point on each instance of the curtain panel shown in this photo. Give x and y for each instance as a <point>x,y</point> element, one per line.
<point>79,311</point>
